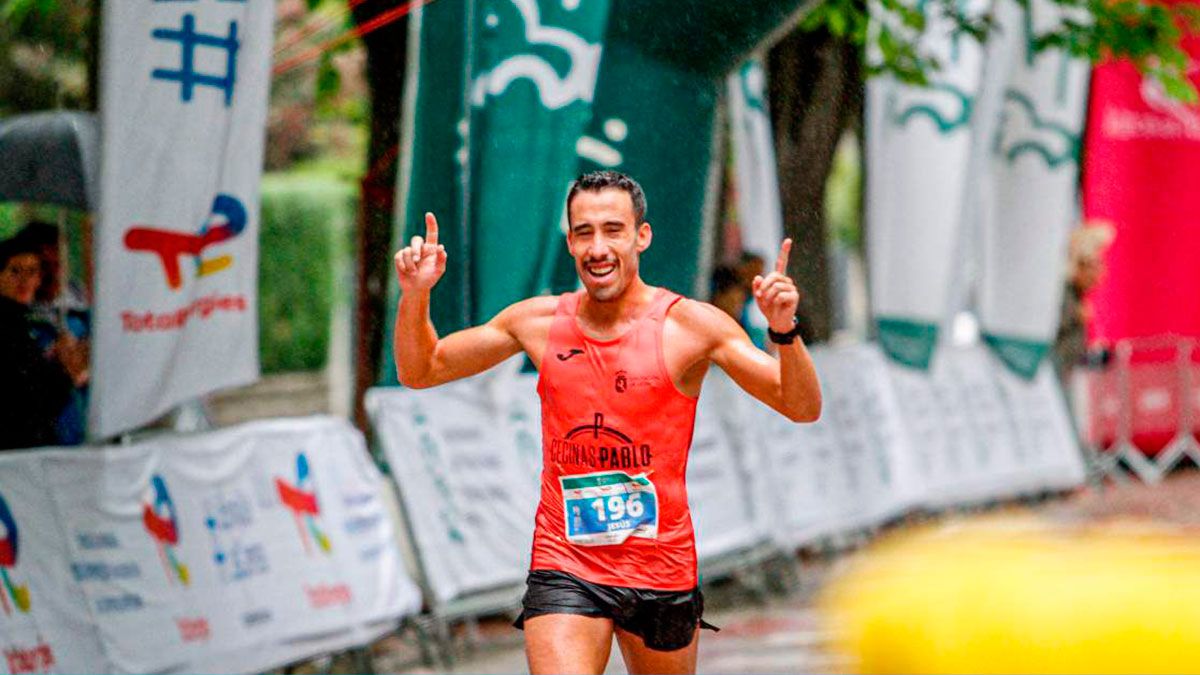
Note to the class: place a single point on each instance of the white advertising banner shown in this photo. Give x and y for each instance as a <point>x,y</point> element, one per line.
<point>463,483</point>
<point>718,495</point>
<point>183,108</point>
<point>45,626</point>
<point>917,154</point>
<point>233,551</point>
<point>1031,120</point>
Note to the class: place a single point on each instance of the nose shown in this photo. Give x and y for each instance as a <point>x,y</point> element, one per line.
<point>598,247</point>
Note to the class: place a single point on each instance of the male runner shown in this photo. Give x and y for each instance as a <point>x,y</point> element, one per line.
<point>620,365</point>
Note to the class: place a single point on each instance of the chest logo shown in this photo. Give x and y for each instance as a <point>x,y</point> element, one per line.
<point>568,354</point>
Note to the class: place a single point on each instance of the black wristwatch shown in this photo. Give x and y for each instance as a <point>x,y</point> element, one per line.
<point>785,338</point>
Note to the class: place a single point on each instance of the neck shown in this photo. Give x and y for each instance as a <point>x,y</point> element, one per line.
<point>622,308</point>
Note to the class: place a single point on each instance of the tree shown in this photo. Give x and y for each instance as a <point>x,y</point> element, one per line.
<point>386,50</point>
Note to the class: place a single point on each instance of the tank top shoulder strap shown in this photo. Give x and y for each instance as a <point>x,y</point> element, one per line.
<point>662,304</point>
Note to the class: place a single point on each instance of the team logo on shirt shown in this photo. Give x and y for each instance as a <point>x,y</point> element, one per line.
<point>624,382</point>
<point>598,445</point>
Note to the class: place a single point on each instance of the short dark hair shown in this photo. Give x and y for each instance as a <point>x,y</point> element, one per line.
<point>15,246</point>
<point>603,180</point>
<point>40,233</point>
<point>724,278</point>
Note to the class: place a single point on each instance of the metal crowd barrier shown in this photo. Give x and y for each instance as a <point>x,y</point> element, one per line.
<point>1139,414</point>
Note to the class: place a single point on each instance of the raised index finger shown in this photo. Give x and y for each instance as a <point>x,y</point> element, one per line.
<point>781,262</point>
<point>431,229</point>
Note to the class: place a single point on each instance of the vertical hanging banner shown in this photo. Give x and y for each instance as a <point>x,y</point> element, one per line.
<point>759,212</point>
<point>1030,120</point>
<point>1143,166</point>
<point>184,100</point>
<point>918,147</point>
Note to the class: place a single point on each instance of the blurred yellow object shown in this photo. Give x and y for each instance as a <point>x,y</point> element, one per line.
<point>1017,596</point>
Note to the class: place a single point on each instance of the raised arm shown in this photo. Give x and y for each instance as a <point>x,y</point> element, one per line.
<point>423,360</point>
<point>789,385</point>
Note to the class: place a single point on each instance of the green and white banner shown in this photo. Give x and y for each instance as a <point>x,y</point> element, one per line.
<point>509,100</point>
<point>972,188</point>
<point>1031,119</point>
<point>918,151</point>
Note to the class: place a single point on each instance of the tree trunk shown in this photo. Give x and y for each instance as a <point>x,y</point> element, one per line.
<point>816,93</point>
<point>386,50</point>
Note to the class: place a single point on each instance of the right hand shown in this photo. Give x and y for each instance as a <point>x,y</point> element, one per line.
<point>73,355</point>
<point>420,264</point>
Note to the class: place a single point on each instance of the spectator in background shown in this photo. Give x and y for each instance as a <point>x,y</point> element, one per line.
<point>1085,268</point>
<point>59,309</point>
<point>35,383</point>
<point>728,293</point>
<point>749,266</point>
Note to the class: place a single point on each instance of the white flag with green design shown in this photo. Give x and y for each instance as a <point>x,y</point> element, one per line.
<point>918,151</point>
<point>1035,105</point>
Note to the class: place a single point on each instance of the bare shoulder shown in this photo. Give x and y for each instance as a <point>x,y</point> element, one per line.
<point>527,314</point>
<point>702,320</point>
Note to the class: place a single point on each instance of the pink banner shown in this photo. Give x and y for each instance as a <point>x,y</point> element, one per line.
<point>1142,174</point>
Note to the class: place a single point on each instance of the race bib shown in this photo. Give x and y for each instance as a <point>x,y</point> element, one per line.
<point>608,507</point>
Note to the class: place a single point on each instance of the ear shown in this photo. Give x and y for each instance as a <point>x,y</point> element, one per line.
<point>644,236</point>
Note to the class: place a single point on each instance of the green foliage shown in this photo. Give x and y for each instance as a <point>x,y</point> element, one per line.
<point>843,195</point>
<point>44,53</point>
<point>303,246</point>
<point>1145,32</point>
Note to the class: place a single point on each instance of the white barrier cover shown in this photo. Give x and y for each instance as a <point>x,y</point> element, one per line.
<point>718,495</point>
<point>1045,444</point>
<point>881,479</point>
<point>44,622</point>
<point>232,551</point>
<point>183,106</point>
<point>462,482</point>
<point>745,421</point>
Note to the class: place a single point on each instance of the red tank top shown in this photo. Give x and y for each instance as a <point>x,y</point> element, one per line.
<point>615,439</point>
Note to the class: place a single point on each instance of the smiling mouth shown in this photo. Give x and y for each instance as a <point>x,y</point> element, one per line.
<point>600,270</point>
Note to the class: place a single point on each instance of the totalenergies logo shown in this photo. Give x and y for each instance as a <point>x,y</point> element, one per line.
<point>226,221</point>
<point>11,595</point>
<point>301,499</point>
<point>161,521</point>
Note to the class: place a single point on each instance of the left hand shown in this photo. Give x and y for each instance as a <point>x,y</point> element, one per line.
<point>776,293</point>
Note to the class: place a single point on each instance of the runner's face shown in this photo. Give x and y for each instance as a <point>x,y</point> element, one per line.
<point>605,239</point>
<point>20,278</point>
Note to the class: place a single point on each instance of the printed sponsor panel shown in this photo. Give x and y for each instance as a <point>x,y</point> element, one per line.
<point>461,485</point>
<point>122,523</point>
<point>745,421</point>
<point>44,621</point>
<point>233,551</point>
<point>717,494</point>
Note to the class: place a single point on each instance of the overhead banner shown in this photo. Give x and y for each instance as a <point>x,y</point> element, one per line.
<point>510,100</point>
<point>183,108</point>
<point>1142,169</point>
<point>1029,125</point>
<point>918,151</point>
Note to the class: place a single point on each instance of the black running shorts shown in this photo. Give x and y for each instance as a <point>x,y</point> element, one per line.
<point>665,620</point>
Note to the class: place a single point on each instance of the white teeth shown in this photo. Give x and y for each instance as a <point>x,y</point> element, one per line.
<point>601,270</point>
